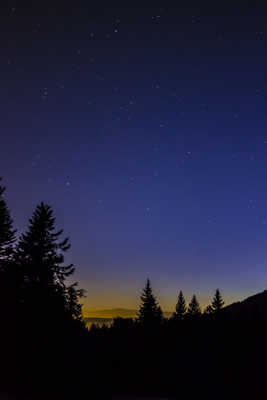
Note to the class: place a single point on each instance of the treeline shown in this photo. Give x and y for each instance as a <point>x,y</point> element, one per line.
<point>150,314</point>
<point>47,351</point>
<point>190,354</point>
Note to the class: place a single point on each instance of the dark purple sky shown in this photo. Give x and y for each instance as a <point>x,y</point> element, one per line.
<point>145,129</point>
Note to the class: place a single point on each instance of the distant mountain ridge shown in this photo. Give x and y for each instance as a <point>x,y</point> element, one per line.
<point>111,313</point>
<point>101,317</point>
<point>116,312</point>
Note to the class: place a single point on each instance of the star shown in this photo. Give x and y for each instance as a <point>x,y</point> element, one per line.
<point>44,93</point>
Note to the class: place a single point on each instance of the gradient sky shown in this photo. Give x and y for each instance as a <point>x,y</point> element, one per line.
<point>145,129</point>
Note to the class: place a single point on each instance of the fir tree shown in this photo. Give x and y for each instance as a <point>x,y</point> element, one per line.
<point>159,313</point>
<point>7,233</point>
<point>9,276</point>
<point>74,307</point>
<point>180,308</point>
<point>150,312</point>
<point>39,256</point>
<point>217,302</point>
<point>208,310</point>
<point>194,308</point>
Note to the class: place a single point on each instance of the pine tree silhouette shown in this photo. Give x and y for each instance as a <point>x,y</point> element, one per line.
<point>39,256</point>
<point>180,308</point>
<point>10,280</point>
<point>150,312</point>
<point>73,295</point>
<point>9,292</point>
<point>217,302</point>
<point>208,310</point>
<point>194,308</point>
<point>7,233</point>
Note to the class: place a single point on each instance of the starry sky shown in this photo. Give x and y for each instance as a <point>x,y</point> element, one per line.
<point>145,129</point>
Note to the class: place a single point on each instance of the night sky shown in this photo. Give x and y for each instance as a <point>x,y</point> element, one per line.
<point>145,129</point>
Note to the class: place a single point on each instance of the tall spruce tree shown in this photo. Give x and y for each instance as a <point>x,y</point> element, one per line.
<point>217,302</point>
<point>150,312</point>
<point>180,308</point>
<point>39,256</point>
<point>7,233</point>
<point>194,310</point>
<point>9,293</point>
<point>9,278</point>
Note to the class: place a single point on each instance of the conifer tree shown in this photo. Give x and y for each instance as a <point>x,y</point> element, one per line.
<point>9,278</point>
<point>39,256</point>
<point>150,312</point>
<point>180,308</point>
<point>159,313</point>
<point>208,310</point>
<point>193,307</point>
<point>7,233</point>
<point>217,302</point>
<point>74,307</point>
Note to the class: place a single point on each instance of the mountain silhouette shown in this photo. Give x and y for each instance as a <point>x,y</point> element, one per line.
<point>111,313</point>
<point>116,312</point>
<point>253,307</point>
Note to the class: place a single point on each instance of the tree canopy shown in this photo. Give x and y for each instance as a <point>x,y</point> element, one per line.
<point>180,308</point>
<point>194,307</point>
<point>149,311</point>
<point>7,233</point>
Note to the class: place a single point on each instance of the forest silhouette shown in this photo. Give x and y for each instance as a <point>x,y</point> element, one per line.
<point>48,352</point>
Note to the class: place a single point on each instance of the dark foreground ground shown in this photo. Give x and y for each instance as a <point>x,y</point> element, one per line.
<point>141,398</point>
<point>207,359</point>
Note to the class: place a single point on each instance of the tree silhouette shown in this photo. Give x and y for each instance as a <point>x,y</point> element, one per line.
<point>180,308</point>
<point>208,310</point>
<point>150,312</point>
<point>7,233</point>
<point>39,256</point>
<point>9,291</point>
<point>217,302</point>
<point>74,307</point>
<point>194,308</point>
<point>9,278</point>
